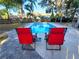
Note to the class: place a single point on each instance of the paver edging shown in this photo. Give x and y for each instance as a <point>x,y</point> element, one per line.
<point>3,36</point>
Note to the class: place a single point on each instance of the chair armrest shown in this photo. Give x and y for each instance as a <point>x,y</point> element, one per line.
<point>34,37</point>
<point>65,31</point>
<point>46,37</point>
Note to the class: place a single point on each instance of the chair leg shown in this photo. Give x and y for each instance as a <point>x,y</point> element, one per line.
<point>24,47</point>
<point>35,45</point>
<point>53,49</point>
<point>59,47</point>
<point>46,46</point>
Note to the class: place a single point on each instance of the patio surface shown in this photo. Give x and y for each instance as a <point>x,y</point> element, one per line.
<point>11,49</point>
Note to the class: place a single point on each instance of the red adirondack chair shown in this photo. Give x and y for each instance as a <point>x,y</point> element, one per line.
<point>55,37</point>
<point>26,38</point>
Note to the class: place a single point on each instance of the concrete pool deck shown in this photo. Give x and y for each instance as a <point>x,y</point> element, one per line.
<point>11,49</point>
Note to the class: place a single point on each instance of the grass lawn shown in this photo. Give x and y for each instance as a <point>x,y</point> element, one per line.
<point>6,27</point>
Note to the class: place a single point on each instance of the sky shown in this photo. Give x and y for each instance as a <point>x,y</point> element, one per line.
<point>38,8</point>
<point>1,7</point>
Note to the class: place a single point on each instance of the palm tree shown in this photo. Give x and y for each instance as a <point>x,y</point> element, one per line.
<point>19,4</point>
<point>8,4</point>
<point>3,12</point>
<point>30,7</point>
<point>72,4</point>
<point>47,3</point>
<point>68,5</point>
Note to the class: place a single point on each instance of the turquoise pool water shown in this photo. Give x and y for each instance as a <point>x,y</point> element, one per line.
<point>41,27</point>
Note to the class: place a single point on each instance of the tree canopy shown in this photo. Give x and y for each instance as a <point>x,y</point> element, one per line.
<point>8,3</point>
<point>30,6</point>
<point>3,14</point>
<point>71,7</point>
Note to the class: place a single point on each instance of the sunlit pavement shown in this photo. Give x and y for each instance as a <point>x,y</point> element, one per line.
<point>11,49</point>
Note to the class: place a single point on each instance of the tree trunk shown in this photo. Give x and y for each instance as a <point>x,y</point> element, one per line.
<point>9,21</point>
<point>72,17</point>
<point>66,12</point>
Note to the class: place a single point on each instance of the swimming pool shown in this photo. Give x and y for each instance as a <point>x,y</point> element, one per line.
<point>40,27</point>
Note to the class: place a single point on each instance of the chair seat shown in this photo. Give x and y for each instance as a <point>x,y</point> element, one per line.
<point>56,39</point>
<point>25,39</point>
